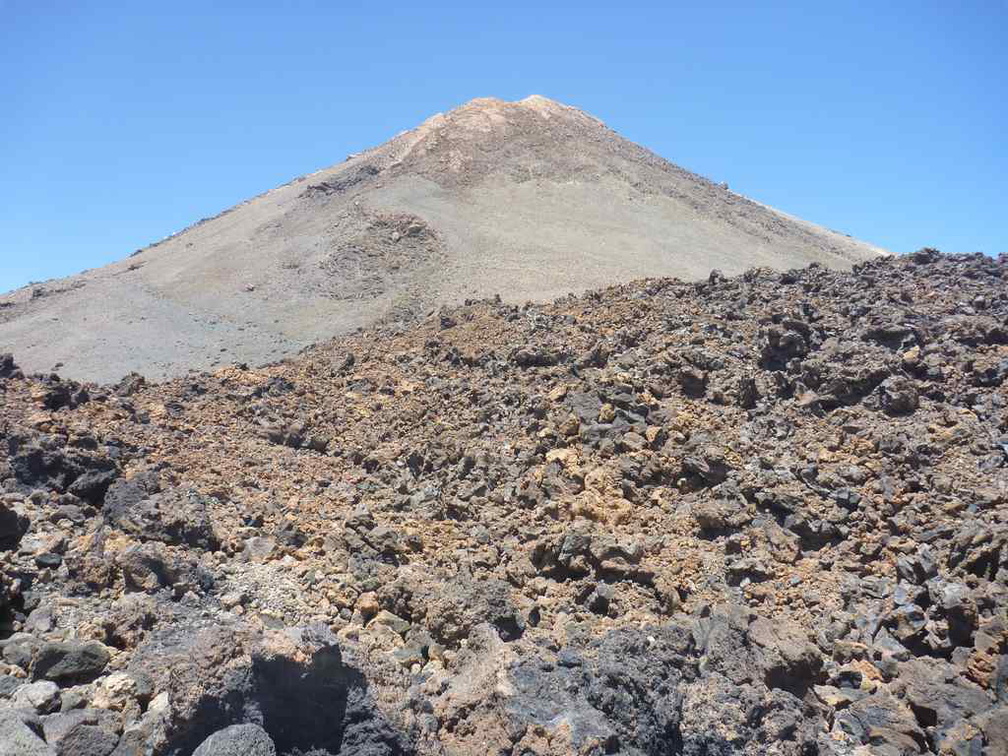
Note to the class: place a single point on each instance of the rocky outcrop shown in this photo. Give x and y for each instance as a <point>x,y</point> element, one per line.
<point>756,514</point>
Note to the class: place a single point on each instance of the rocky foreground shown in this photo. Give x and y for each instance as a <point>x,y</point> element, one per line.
<point>765,514</point>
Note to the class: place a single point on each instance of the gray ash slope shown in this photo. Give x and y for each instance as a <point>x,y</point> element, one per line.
<point>756,515</point>
<point>530,200</point>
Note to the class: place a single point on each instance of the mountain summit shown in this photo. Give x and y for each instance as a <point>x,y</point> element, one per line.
<point>530,200</point>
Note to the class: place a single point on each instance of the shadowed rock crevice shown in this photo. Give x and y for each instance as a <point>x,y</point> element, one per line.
<point>321,708</point>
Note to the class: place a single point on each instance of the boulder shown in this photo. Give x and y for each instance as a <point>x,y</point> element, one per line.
<point>21,735</point>
<point>13,525</point>
<point>42,696</point>
<point>8,684</point>
<point>70,662</point>
<point>898,396</point>
<point>178,516</point>
<point>87,740</point>
<point>92,485</point>
<point>8,368</point>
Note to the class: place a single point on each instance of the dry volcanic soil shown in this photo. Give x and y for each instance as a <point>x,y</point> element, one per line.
<point>763,514</point>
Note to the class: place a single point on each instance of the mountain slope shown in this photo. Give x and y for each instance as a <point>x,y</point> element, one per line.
<point>529,200</point>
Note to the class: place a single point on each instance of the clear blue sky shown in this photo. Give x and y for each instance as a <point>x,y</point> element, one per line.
<point>123,122</point>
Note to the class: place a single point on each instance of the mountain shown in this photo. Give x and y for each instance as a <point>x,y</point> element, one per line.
<point>529,200</point>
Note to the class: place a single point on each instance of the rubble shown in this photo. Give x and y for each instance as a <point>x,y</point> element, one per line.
<point>760,514</point>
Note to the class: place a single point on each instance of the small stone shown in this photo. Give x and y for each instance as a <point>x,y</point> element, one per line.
<point>907,621</point>
<point>49,560</point>
<point>570,427</point>
<point>115,692</point>
<point>837,698</point>
<point>407,656</point>
<point>607,413</point>
<point>846,650</point>
<point>41,620</point>
<point>899,397</point>
<point>367,605</point>
<point>600,599</point>
<point>76,697</point>
<point>633,441</point>
<point>259,549</point>
<point>397,624</point>
<point>233,599</point>
<point>238,740</point>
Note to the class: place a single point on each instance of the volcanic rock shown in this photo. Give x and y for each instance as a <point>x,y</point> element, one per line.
<point>571,555</point>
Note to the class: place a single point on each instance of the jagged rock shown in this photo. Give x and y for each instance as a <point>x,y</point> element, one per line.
<point>52,393</point>
<point>130,384</point>
<point>20,735</point>
<point>994,725</point>
<point>43,461</point>
<point>899,397</point>
<point>151,566</point>
<point>882,721</point>
<point>907,622</point>
<point>579,553</point>
<point>935,702</point>
<point>281,677</point>
<point>747,569</point>
<point>396,624</point>
<point>780,344</point>
<point>705,460</point>
<point>956,603</point>
<point>259,548</point>
<point>693,382</point>
<point>70,662</point>
<point>366,538</point>
<point>92,485</point>
<point>453,613</point>
<point>788,660</point>
<point>294,435</point>
<point>8,368</point>
<point>725,513</point>
<point>13,526</point>
<point>526,358</point>
<point>42,696</point>
<point>175,516</point>
<point>87,740</point>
